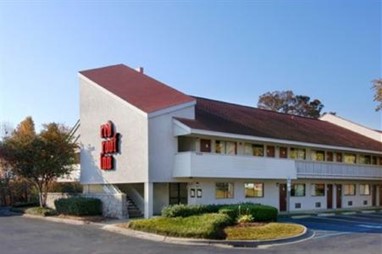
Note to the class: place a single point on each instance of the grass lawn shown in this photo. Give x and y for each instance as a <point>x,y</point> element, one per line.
<point>209,226</point>
<point>214,226</point>
<point>268,231</point>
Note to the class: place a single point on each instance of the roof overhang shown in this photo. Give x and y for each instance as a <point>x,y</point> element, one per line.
<point>181,129</point>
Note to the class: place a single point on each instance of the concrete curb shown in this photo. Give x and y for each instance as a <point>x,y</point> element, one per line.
<point>306,234</point>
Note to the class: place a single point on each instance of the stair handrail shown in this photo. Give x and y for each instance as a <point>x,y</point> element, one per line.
<point>134,195</point>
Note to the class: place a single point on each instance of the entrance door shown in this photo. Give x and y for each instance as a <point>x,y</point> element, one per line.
<point>339,195</point>
<point>329,196</point>
<point>178,193</point>
<point>205,145</point>
<point>374,195</point>
<point>283,197</point>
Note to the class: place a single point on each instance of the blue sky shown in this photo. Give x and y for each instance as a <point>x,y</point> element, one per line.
<point>226,50</point>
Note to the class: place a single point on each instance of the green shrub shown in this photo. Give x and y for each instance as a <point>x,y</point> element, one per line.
<point>42,211</point>
<point>209,226</point>
<point>79,206</point>
<point>231,212</point>
<point>258,211</point>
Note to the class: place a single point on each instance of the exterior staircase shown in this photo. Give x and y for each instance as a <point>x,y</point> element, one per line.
<point>132,209</point>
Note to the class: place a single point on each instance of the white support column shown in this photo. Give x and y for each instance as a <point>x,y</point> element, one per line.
<point>148,199</point>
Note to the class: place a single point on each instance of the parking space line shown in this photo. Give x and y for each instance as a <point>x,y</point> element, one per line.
<point>346,220</point>
<point>326,235</point>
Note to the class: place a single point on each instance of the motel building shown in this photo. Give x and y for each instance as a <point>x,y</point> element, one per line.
<point>145,145</point>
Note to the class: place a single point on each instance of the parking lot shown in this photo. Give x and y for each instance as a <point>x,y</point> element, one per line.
<point>330,225</point>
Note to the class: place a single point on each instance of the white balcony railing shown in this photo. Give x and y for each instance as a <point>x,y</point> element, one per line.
<point>329,170</point>
<point>210,165</point>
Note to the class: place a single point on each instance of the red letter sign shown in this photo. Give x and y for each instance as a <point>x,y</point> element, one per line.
<point>109,145</point>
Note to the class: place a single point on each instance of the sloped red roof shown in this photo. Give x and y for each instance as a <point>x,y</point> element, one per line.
<point>138,89</point>
<point>225,117</point>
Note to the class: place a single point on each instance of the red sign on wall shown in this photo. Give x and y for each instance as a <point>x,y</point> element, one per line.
<point>109,145</point>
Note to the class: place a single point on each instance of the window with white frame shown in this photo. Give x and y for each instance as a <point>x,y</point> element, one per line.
<point>223,190</point>
<point>318,189</point>
<point>349,189</point>
<point>298,190</point>
<point>225,147</point>
<point>350,158</point>
<point>254,190</point>
<point>318,155</point>
<point>297,153</point>
<point>364,189</point>
<point>254,149</point>
<point>365,159</point>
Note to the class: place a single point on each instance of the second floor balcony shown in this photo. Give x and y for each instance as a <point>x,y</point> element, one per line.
<point>212,165</point>
<point>328,170</point>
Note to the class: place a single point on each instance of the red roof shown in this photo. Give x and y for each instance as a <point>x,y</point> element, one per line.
<point>225,117</point>
<point>138,89</point>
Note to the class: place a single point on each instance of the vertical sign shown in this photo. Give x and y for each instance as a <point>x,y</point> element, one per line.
<point>109,144</point>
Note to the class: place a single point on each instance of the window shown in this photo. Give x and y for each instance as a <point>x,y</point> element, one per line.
<point>374,160</point>
<point>231,147</point>
<point>365,159</point>
<point>329,156</point>
<point>283,152</point>
<point>219,146</point>
<point>298,190</point>
<point>247,149</point>
<point>258,150</point>
<point>297,153</point>
<point>270,151</point>
<point>254,190</point>
<point>255,150</point>
<point>349,189</point>
<point>364,189</point>
<point>350,158</point>
<point>318,155</point>
<point>318,189</point>
<point>225,147</point>
<point>339,157</point>
<point>223,190</point>
<point>186,144</point>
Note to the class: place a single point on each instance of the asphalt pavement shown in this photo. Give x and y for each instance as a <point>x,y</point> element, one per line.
<point>343,234</point>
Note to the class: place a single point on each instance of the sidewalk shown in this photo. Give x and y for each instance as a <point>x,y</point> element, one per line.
<point>332,212</point>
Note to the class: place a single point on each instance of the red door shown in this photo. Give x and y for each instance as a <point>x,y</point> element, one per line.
<point>205,145</point>
<point>339,195</point>
<point>374,195</point>
<point>329,196</point>
<point>283,197</point>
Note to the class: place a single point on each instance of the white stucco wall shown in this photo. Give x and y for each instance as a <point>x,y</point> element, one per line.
<point>163,144</point>
<point>97,106</point>
<point>271,194</point>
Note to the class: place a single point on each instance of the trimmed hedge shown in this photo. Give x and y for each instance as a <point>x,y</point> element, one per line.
<point>78,206</point>
<point>257,211</point>
<point>208,226</point>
